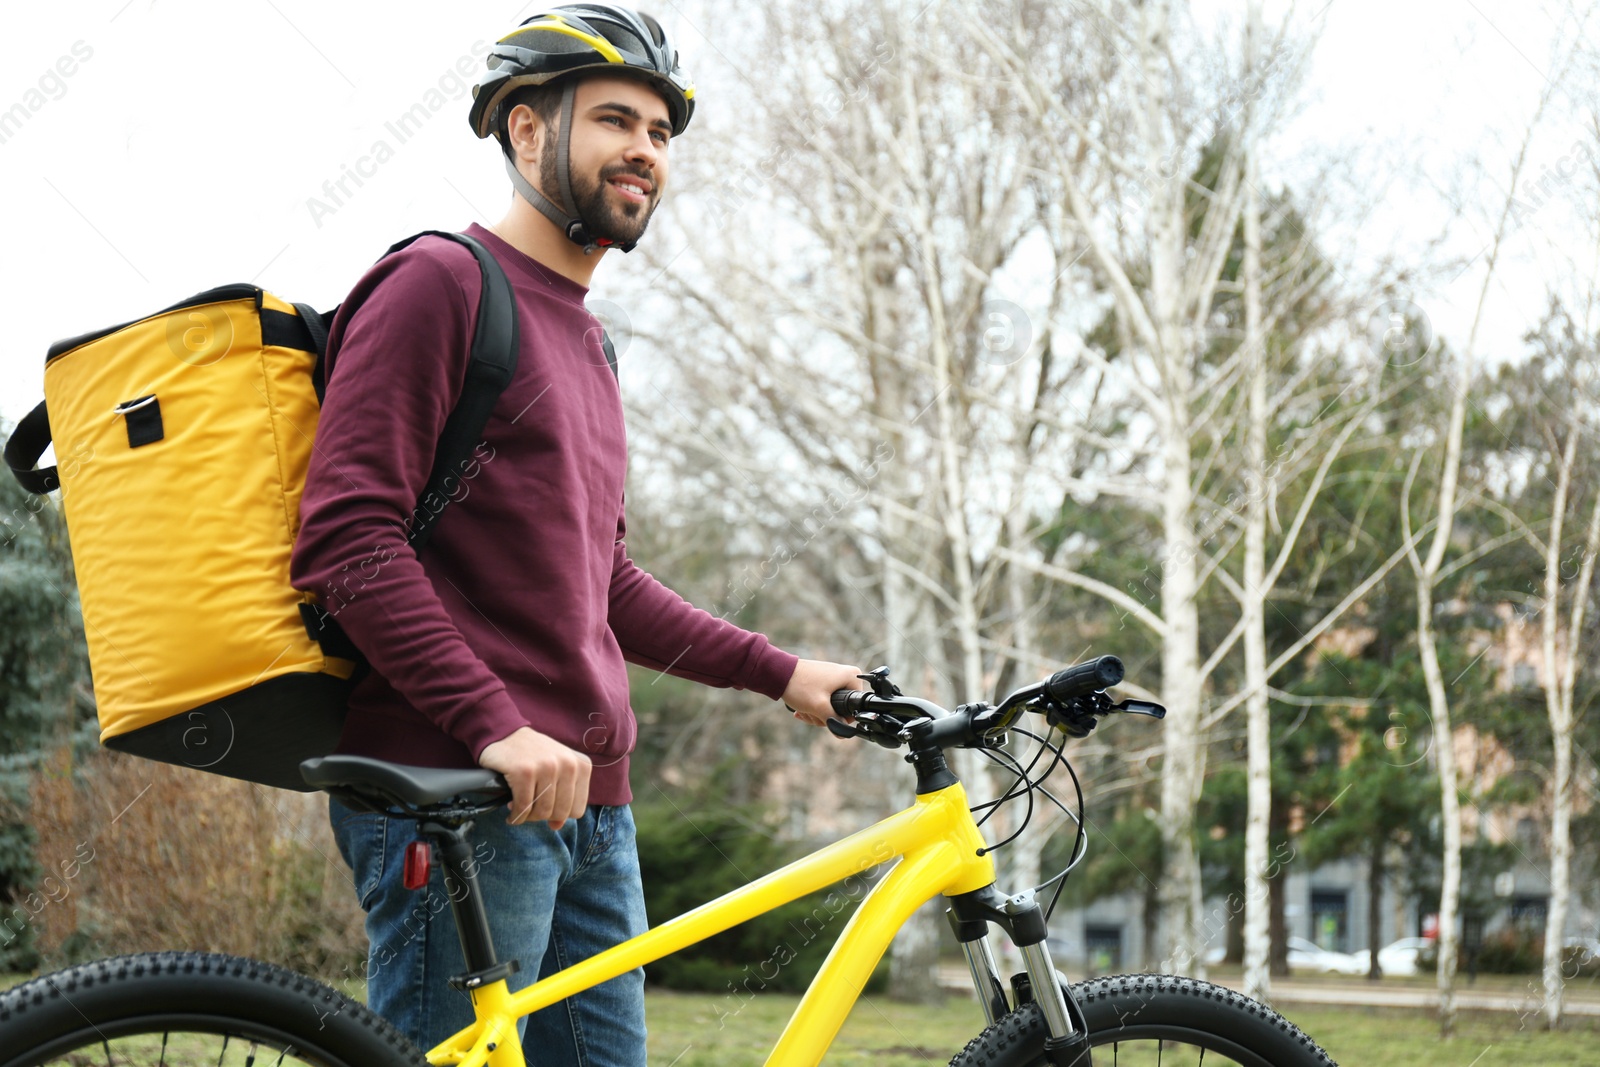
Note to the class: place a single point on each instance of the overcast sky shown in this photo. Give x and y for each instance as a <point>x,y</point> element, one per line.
<point>172,146</point>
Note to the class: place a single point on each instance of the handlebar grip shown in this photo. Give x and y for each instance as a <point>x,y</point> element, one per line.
<point>1084,678</point>
<point>849,701</point>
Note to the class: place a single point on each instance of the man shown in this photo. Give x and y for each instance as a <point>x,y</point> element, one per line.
<point>504,645</point>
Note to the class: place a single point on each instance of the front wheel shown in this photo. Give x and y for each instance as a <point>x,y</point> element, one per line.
<point>185,1009</point>
<point>1140,1019</point>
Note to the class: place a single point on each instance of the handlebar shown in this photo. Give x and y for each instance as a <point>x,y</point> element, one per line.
<point>1072,699</point>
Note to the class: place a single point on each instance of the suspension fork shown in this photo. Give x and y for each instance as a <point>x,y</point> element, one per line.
<point>1022,919</point>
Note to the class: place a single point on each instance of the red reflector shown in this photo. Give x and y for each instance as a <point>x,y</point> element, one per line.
<point>418,858</point>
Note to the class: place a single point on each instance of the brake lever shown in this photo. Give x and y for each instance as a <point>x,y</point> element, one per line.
<point>1141,707</point>
<point>868,726</point>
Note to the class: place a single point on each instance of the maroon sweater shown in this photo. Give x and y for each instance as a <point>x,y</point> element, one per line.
<point>523,607</point>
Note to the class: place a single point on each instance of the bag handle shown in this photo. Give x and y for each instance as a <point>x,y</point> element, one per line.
<point>27,443</point>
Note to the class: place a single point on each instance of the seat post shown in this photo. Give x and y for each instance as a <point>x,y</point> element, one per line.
<point>466,904</point>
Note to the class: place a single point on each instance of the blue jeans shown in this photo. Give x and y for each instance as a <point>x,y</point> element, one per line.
<point>554,897</point>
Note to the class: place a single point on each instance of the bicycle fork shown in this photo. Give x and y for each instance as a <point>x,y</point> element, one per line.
<point>1022,919</point>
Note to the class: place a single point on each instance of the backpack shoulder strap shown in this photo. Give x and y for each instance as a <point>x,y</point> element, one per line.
<point>491,365</point>
<point>610,350</point>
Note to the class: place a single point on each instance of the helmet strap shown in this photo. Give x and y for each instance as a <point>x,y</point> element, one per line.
<point>567,221</point>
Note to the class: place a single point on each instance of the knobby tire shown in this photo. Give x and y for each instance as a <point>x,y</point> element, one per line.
<point>96,1012</point>
<point>1135,1012</point>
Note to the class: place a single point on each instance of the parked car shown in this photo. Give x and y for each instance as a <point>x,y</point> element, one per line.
<point>1588,948</point>
<point>1398,958</point>
<point>1307,958</point>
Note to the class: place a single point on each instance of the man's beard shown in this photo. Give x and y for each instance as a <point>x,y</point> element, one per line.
<point>620,223</point>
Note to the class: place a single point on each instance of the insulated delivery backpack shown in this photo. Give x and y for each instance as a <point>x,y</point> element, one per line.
<point>182,443</point>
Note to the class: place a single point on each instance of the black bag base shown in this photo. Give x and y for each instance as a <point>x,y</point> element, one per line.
<point>260,734</point>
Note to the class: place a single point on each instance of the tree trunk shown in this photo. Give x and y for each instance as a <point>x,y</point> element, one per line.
<point>1277,891</point>
<point>1183,768</point>
<point>1560,674</point>
<point>1149,913</point>
<point>1257,941</point>
<point>1560,872</point>
<point>1444,751</point>
<point>1374,906</point>
<point>1020,861</point>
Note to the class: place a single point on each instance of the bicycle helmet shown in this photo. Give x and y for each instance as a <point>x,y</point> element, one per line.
<point>570,40</point>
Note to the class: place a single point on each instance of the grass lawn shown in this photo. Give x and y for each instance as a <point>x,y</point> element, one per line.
<point>1355,1037</point>
<point>704,1030</point>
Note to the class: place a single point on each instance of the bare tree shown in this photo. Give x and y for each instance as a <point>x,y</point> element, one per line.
<point>1561,656</point>
<point>851,332</point>
<point>1166,145</point>
<point>1556,388</point>
<point>1430,568</point>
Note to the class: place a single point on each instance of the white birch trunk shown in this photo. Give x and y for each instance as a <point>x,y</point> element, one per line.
<point>1560,675</point>
<point>1183,768</point>
<point>1019,862</point>
<point>1449,806</point>
<point>1257,937</point>
<point>952,437</point>
<point>1444,750</point>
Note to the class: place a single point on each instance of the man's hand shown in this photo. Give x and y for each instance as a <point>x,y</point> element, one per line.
<point>811,686</point>
<point>549,781</point>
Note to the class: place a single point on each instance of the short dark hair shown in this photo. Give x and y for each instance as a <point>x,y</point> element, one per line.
<point>545,100</point>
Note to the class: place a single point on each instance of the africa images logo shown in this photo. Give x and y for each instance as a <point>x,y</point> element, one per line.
<point>200,336</point>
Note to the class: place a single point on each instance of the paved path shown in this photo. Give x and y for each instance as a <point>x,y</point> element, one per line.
<point>1377,995</point>
<point>1381,995</point>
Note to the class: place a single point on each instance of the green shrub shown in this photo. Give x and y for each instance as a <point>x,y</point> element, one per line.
<point>688,859</point>
<point>1579,963</point>
<point>1511,952</point>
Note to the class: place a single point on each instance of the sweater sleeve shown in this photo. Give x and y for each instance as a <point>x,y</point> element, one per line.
<point>401,361</point>
<point>657,628</point>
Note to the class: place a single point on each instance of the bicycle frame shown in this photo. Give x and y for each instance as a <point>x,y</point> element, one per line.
<point>939,847</point>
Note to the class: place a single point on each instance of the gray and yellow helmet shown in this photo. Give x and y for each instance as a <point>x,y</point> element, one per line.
<point>582,37</point>
<point>568,40</point>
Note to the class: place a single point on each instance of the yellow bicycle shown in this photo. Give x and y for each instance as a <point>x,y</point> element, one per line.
<point>183,1009</point>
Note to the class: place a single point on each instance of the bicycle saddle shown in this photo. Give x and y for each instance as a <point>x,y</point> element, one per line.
<point>416,787</point>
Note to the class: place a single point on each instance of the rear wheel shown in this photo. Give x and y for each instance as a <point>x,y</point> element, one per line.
<point>184,1009</point>
<point>1136,1020</point>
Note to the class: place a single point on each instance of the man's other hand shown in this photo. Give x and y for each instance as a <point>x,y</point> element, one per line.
<point>549,781</point>
<point>812,685</point>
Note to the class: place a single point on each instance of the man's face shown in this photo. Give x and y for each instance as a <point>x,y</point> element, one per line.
<point>620,130</point>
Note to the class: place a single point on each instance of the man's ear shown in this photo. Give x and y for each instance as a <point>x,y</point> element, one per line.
<point>522,121</point>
